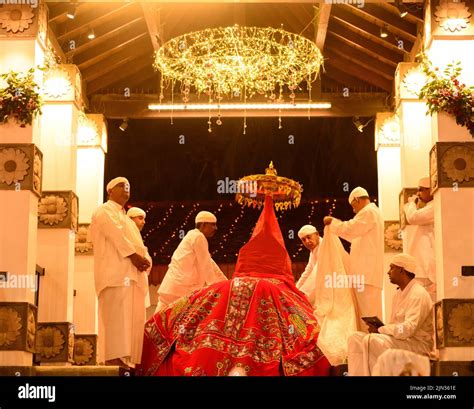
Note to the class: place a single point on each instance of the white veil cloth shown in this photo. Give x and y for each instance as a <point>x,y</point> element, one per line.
<point>398,362</point>
<point>330,290</point>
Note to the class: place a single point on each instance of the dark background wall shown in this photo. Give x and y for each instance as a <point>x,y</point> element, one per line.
<point>327,152</point>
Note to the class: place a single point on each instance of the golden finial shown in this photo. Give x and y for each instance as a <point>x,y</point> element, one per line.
<point>271,170</point>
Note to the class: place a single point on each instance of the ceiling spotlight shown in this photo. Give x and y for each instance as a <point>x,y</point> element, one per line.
<point>123,127</point>
<point>91,34</point>
<point>383,32</point>
<point>402,9</point>
<point>71,12</point>
<point>358,123</point>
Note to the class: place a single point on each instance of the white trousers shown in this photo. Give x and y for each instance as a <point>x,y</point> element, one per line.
<point>121,323</point>
<point>369,304</point>
<point>364,349</point>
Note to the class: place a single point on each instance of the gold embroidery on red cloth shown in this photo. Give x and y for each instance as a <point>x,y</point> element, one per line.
<point>241,293</point>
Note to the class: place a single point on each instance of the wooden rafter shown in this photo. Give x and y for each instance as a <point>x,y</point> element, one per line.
<point>128,28</point>
<point>368,30</point>
<point>130,46</point>
<point>368,51</point>
<point>151,13</point>
<point>129,70</point>
<point>382,18</point>
<point>321,25</point>
<point>412,18</point>
<point>369,63</point>
<point>353,67</point>
<point>362,39</point>
<point>92,19</point>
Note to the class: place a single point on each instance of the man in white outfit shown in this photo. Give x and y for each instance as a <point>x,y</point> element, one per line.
<point>365,232</point>
<point>138,216</point>
<point>411,326</point>
<point>420,242</point>
<point>120,267</point>
<point>191,266</point>
<point>310,238</point>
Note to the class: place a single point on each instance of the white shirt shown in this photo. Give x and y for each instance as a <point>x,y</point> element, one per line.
<point>365,232</point>
<point>191,267</point>
<point>412,316</point>
<point>312,261</point>
<point>420,243</point>
<point>112,238</point>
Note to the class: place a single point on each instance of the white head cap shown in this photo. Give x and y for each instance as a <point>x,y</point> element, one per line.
<point>424,182</point>
<point>205,217</point>
<point>357,192</point>
<point>406,261</point>
<point>306,230</point>
<point>115,182</point>
<point>135,212</point>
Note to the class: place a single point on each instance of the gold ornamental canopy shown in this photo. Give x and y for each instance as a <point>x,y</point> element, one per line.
<point>252,189</point>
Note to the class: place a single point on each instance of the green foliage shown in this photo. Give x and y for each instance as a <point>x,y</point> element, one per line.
<point>444,93</point>
<point>20,98</point>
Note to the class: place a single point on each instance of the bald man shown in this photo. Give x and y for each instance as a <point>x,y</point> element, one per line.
<point>365,233</point>
<point>120,267</point>
<point>411,326</point>
<point>310,238</point>
<point>191,266</point>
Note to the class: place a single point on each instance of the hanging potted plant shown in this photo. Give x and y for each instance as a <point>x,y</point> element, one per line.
<point>19,99</point>
<point>444,92</point>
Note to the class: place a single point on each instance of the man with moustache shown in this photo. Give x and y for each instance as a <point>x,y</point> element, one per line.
<point>411,325</point>
<point>120,267</point>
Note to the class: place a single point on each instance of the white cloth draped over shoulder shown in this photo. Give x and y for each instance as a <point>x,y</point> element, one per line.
<point>333,303</point>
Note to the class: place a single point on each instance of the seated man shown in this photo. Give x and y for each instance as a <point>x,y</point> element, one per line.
<point>411,326</point>
<point>257,323</point>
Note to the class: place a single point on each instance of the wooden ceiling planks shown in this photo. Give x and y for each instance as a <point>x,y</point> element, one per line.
<point>127,34</point>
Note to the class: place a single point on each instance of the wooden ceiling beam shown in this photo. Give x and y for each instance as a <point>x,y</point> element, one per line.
<point>382,18</point>
<point>132,45</point>
<point>146,78</point>
<point>129,70</point>
<point>151,13</point>
<point>352,67</point>
<point>59,14</point>
<point>336,46</point>
<point>126,55</point>
<point>364,50</point>
<point>126,28</point>
<point>136,107</point>
<point>75,28</point>
<point>368,30</point>
<point>410,17</point>
<point>321,24</point>
<point>361,39</point>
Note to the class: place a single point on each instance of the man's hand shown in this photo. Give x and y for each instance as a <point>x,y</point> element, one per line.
<point>372,329</point>
<point>141,263</point>
<point>327,220</point>
<point>413,199</point>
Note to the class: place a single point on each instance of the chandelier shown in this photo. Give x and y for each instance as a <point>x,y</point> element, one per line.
<point>238,63</point>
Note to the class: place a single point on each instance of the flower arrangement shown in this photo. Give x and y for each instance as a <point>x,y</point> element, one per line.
<point>20,98</point>
<point>444,93</point>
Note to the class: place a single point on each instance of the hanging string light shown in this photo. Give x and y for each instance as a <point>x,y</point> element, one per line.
<point>238,62</point>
